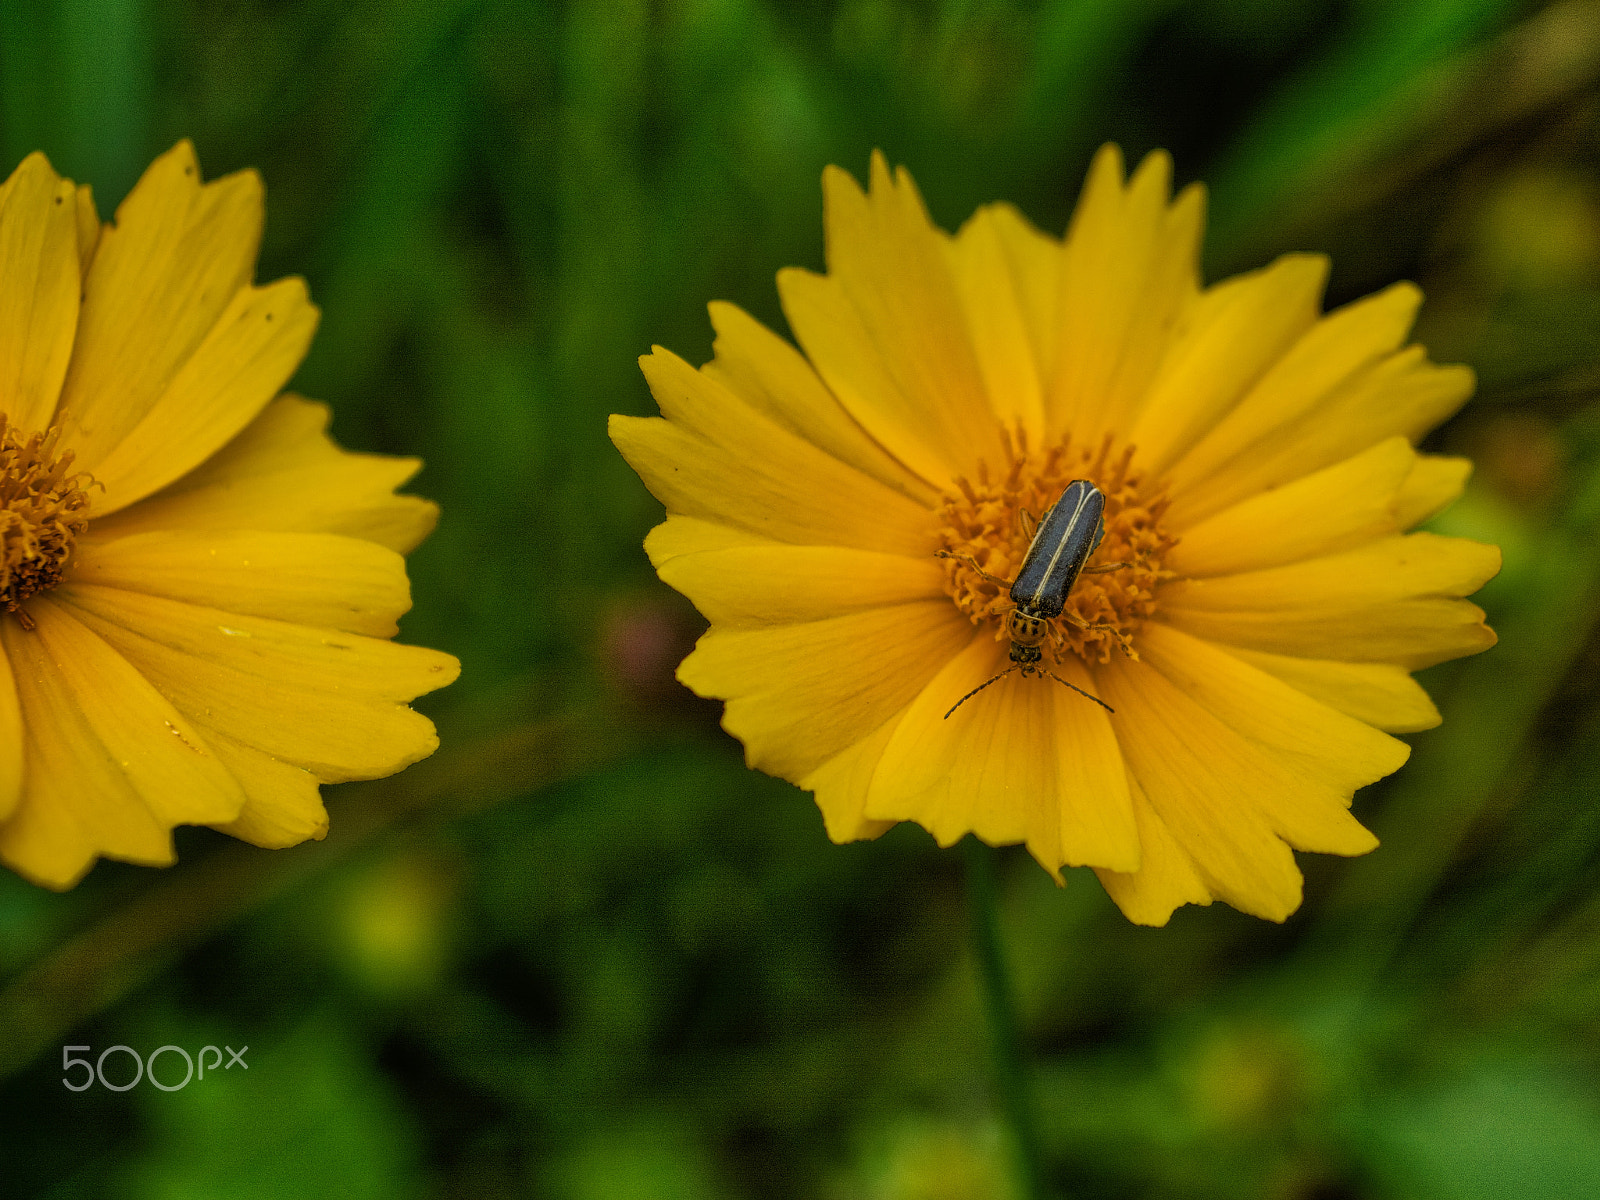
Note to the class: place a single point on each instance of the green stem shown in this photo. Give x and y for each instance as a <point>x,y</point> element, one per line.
<point>999,1002</point>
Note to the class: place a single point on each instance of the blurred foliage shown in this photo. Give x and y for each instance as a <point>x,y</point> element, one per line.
<point>583,953</point>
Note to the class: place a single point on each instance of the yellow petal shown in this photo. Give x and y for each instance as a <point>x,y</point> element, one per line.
<point>1034,259</point>
<point>163,274</point>
<point>1097,823</point>
<point>39,288</point>
<point>717,459</point>
<point>1389,601</point>
<point>1402,394</point>
<point>840,346</point>
<point>88,221</point>
<point>1434,482</point>
<point>993,307</point>
<point>10,740</point>
<point>1231,336</point>
<point>753,587</point>
<point>1415,632</point>
<point>284,473</point>
<point>282,807</point>
<point>1166,878</point>
<point>221,387</point>
<point>1381,694</point>
<point>887,332</point>
<point>1391,568</point>
<point>1331,752</point>
<point>841,786</point>
<point>1023,760</point>
<point>1206,784</point>
<point>112,766</point>
<point>304,578</point>
<point>1405,395</point>
<point>775,379</point>
<point>1130,272</point>
<point>799,695</point>
<point>1329,510</point>
<point>986,769</point>
<point>1096,810</point>
<point>680,535</point>
<point>330,702</point>
<point>1332,354</point>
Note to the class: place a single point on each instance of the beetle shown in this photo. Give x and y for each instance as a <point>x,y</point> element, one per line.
<point>1069,533</point>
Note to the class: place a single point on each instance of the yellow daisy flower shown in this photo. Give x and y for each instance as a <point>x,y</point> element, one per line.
<point>1257,462</point>
<point>197,587</point>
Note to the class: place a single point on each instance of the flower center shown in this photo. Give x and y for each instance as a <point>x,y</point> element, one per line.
<point>42,511</point>
<point>985,523</point>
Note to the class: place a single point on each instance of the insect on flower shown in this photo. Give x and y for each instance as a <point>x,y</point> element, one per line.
<point>1069,533</point>
<point>1250,457</point>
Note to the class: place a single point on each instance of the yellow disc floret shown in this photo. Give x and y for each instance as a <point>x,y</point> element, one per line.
<point>43,509</point>
<point>991,521</point>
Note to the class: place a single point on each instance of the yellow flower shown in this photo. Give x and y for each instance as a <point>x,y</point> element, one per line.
<point>196,585</point>
<point>1257,461</point>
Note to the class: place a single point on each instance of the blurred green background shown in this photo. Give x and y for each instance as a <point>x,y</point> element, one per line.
<point>582,953</point>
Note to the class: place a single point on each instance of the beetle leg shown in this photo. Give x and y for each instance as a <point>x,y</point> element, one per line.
<point>1122,638</point>
<point>973,563</point>
<point>1028,524</point>
<point>1058,640</point>
<point>1103,568</point>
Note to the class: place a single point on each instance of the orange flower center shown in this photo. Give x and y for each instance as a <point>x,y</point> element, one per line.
<point>42,511</point>
<point>986,523</point>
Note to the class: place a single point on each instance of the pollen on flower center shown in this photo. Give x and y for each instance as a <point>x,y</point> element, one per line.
<point>43,509</point>
<point>985,523</point>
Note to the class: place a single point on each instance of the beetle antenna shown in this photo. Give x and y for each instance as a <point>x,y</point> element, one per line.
<point>1064,683</point>
<point>981,686</point>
